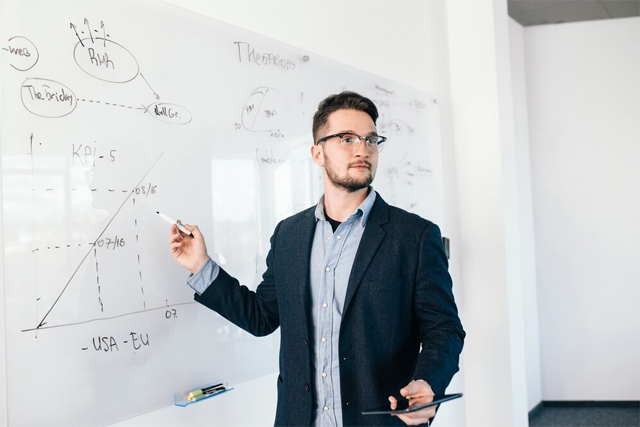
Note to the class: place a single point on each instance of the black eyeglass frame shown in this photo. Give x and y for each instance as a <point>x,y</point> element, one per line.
<point>367,140</point>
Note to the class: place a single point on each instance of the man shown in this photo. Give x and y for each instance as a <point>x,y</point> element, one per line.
<point>360,289</point>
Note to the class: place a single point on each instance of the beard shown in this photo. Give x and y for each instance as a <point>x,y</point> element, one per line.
<point>347,182</point>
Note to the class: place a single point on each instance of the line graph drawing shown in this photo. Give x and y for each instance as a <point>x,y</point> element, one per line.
<point>131,193</point>
<point>102,319</point>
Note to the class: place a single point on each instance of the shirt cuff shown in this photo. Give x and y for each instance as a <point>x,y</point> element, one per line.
<point>201,280</point>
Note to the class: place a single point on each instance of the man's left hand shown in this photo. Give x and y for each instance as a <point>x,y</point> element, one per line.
<point>418,392</point>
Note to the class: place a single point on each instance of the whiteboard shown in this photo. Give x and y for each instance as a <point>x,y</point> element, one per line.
<point>112,111</point>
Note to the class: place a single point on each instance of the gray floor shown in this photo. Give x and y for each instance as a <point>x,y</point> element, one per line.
<point>581,414</point>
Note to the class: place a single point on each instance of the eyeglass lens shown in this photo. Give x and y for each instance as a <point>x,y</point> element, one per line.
<point>373,143</point>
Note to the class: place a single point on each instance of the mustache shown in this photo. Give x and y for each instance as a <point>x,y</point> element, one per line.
<point>360,163</point>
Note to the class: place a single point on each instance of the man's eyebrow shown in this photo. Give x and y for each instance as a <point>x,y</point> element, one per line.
<point>372,133</point>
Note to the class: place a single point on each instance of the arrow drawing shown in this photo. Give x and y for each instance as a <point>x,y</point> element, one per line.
<point>154,92</point>
<point>74,29</point>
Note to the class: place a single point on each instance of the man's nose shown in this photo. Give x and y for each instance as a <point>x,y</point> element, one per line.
<point>362,150</point>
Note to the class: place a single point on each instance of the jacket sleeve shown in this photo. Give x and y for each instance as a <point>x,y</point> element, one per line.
<point>441,332</point>
<point>255,312</point>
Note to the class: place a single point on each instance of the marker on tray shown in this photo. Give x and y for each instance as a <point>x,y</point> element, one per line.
<point>207,394</point>
<point>177,223</point>
<point>208,391</point>
<point>187,398</point>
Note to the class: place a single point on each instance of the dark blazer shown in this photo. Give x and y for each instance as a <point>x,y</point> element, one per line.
<point>399,298</point>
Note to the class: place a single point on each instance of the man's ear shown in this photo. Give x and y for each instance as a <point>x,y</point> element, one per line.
<point>317,154</point>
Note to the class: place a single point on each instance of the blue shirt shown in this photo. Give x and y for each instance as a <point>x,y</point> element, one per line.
<point>332,256</point>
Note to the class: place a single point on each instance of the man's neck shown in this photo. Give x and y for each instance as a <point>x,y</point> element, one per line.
<point>339,203</point>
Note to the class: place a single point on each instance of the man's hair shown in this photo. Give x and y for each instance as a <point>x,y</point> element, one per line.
<point>345,100</point>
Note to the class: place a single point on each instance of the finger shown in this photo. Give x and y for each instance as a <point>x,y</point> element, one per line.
<point>179,235</point>
<point>411,421</point>
<point>175,237</point>
<point>406,391</point>
<point>417,389</point>
<point>409,389</point>
<point>179,232</point>
<point>393,402</point>
<point>194,230</point>
<point>418,417</point>
<point>423,413</point>
<point>175,246</point>
<point>421,396</point>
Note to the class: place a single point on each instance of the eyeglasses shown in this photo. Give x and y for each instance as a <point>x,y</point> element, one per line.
<point>351,142</point>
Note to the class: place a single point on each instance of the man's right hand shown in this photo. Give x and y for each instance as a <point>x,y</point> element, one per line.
<point>190,252</point>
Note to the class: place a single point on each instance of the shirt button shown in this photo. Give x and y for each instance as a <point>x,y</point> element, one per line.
<point>328,269</point>
<point>326,408</point>
<point>339,237</point>
<point>325,305</point>
<point>324,375</point>
<point>323,339</point>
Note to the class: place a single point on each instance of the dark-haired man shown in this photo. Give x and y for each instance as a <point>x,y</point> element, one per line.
<point>360,289</point>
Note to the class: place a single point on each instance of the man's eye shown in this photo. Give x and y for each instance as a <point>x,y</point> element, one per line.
<point>350,139</point>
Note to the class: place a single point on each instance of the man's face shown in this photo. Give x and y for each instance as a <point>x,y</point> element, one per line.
<point>346,169</point>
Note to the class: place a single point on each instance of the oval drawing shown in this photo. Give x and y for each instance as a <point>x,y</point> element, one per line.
<point>47,98</point>
<point>105,60</point>
<point>265,109</point>
<point>169,113</point>
<point>24,54</point>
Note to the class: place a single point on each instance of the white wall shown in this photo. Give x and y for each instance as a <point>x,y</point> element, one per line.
<point>583,89</point>
<point>492,256</point>
<point>525,203</point>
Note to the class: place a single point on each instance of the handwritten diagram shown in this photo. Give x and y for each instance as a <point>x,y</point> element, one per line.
<point>405,173</point>
<point>106,60</point>
<point>266,110</point>
<point>99,57</point>
<point>24,54</point>
<point>105,241</point>
<point>406,166</point>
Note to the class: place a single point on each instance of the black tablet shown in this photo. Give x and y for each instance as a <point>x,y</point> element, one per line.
<point>403,406</point>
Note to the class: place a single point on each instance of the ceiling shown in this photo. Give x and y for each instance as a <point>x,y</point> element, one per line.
<point>540,12</point>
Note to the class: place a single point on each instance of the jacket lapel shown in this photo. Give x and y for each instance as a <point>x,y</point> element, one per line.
<point>305,230</point>
<point>371,239</point>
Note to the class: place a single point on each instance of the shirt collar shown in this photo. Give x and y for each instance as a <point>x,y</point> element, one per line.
<point>364,209</point>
